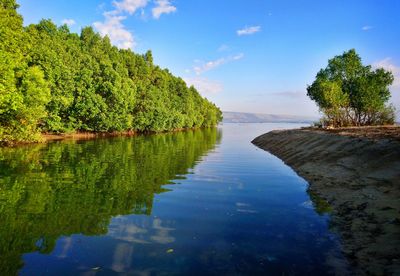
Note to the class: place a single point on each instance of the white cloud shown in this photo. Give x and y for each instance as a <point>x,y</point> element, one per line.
<point>69,22</point>
<point>223,48</point>
<point>130,6</point>
<point>205,86</point>
<point>208,66</point>
<point>100,7</point>
<point>163,6</point>
<point>115,30</point>
<point>366,28</point>
<point>112,25</point>
<point>387,64</point>
<point>143,15</point>
<point>248,30</point>
<point>200,69</point>
<point>238,56</point>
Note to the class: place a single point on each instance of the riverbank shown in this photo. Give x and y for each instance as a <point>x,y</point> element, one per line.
<point>51,137</point>
<point>357,172</point>
<point>48,137</point>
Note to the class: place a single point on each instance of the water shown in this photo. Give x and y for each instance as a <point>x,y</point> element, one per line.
<point>197,202</point>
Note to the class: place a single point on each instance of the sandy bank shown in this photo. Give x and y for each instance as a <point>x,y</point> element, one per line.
<point>358,173</point>
<point>84,135</point>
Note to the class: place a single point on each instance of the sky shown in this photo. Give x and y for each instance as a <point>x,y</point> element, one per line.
<point>253,56</point>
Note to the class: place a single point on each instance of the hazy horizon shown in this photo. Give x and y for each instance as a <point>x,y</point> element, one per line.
<point>253,56</point>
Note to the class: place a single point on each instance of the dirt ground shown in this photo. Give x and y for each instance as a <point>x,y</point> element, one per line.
<point>374,132</point>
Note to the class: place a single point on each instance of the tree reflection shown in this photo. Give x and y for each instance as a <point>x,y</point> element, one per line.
<point>59,189</point>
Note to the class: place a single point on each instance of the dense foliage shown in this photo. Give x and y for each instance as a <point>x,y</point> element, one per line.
<point>60,189</point>
<point>52,80</point>
<point>351,94</point>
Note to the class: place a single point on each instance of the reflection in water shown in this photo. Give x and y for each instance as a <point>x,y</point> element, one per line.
<point>59,189</point>
<point>98,207</point>
<point>320,205</point>
<point>122,257</point>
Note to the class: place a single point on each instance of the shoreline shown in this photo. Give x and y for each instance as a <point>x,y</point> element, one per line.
<point>356,171</point>
<point>49,137</point>
<point>86,135</point>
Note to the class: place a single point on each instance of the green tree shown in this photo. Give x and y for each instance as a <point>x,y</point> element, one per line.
<point>9,4</point>
<point>52,80</point>
<point>36,95</point>
<point>349,93</point>
<point>23,90</point>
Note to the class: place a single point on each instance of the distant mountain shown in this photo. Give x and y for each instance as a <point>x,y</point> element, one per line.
<point>240,117</point>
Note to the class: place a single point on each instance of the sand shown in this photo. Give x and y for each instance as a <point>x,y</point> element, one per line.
<point>356,173</point>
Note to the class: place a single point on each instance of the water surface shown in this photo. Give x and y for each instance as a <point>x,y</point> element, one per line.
<point>197,202</point>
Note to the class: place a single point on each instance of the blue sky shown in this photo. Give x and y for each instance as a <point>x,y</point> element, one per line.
<point>248,56</point>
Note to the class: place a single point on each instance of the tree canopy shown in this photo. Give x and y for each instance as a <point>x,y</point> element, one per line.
<point>351,94</point>
<point>52,80</point>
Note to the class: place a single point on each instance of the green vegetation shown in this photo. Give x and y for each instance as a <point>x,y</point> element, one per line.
<point>60,189</point>
<point>55,81</point>
<point>321,206</point>
<point>351,94</point>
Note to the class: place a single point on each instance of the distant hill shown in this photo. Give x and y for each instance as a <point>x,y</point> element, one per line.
<point>240,117</point>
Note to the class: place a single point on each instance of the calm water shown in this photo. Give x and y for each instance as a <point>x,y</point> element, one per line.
<point>198,202</point>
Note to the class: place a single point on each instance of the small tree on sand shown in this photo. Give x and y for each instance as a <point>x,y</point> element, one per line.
<point>351,94</point>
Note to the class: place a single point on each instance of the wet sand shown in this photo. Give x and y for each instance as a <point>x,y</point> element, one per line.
<point>356,173</point>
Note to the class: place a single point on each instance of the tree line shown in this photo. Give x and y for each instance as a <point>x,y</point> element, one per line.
<point>351,94</point>
<point>55,81</point>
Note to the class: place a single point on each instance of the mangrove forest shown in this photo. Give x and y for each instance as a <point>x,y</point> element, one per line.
<point>56,81</point>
